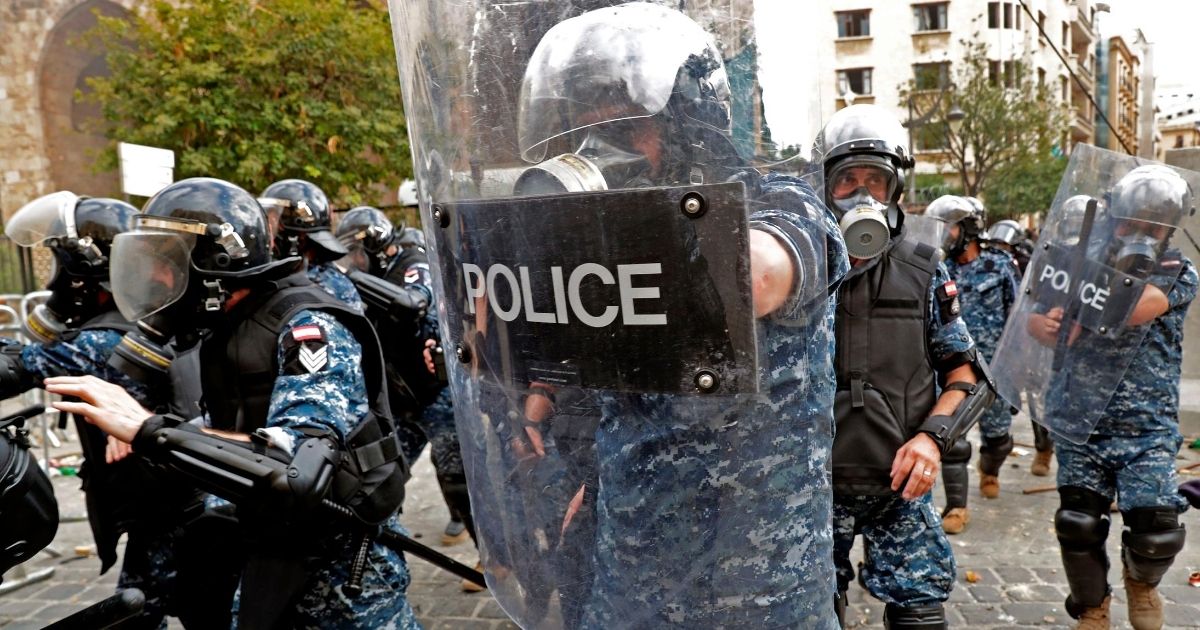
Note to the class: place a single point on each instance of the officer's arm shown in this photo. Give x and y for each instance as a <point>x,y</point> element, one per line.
<point>1150,306</point>
<point>229,466</point>
<point>772,273</point>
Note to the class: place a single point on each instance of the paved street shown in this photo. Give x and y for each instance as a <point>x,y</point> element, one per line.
<point>1009,546</point>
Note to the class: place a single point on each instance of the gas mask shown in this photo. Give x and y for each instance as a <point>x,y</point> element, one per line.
<point>1136,253</point>
<point>864,224</point>
<point>74,297</point>
<point>600,162</point>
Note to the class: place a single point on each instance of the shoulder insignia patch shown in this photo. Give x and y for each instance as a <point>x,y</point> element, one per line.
<point>305,350</point>
<point>948,305</point>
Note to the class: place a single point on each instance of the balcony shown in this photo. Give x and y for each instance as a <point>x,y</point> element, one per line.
<point>1083,32</point>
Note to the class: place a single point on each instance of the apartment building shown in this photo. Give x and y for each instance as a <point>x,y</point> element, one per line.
<point>1119,92</point>
<point>877,46</point>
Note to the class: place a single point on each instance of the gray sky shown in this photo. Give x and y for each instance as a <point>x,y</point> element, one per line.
<point>1170,25</point>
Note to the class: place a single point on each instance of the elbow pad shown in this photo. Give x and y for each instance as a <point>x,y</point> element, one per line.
<point>14,378</point>
<point>241,472</point>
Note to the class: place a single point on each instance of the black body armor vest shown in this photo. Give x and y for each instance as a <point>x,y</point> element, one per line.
<point>886,383</point>
<point>240,368</point>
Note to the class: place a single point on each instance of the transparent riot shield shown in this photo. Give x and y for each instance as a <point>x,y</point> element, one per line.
<point>590,175</point>
<point>925,229</point>
<point>1121,230</point>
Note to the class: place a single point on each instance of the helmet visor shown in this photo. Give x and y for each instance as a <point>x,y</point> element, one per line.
<point>852,174</point>
<point>150,270</point>
<point>44,218</point>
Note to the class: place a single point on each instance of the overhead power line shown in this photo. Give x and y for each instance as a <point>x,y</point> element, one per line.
<point>1074,76</point>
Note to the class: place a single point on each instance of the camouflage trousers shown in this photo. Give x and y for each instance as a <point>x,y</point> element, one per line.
<point>149,565</point>
<point>1136,471</point>
<point>713,527</point>
<point>908,560</point>
<point>997,421</point>
<point>383,602</point>
<point>435,426</point>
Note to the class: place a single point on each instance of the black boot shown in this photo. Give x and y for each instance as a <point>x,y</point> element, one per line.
<point>923,617</point>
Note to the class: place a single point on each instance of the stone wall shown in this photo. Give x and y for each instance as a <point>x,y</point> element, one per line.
<point>45,137</point>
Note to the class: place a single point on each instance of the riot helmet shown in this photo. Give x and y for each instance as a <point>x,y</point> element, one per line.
<point>79,232</point>
<point>957,211</point>
<point>1146,206</point>
<point>865,158</point>
<point>1006,232</point>
<point>368,235</point>
<point>196,238</point>
<point>298,213</point>
<point>411,237</point>
<point>1070,222</point>
<point>629,96</point>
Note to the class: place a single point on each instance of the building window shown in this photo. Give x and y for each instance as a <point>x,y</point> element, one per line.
<point>857,80</point>
<point>1066,32</point>
<point>1066,90</point>
<point>854,23</point>
<point>930,137</point>
<point>1178,142</point>
<point>1004,15</point>
<point>931,76</point>
<point>1041,77</point>
<point>930,17</point>
<point>1042,27</point>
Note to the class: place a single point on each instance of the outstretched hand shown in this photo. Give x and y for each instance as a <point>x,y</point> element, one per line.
<point>103,404</point>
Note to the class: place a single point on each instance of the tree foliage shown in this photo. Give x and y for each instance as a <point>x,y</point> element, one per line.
<point>1011,124</point>
<point>259,90</point>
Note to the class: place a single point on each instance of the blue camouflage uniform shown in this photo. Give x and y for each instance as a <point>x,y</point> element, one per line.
<point>987,290</point>
<point>714,512</point>
<point>148,563</point>
<point>1131,453</point>
<point>908,559</point>
<point>331,280</point>
<point>334,397</point>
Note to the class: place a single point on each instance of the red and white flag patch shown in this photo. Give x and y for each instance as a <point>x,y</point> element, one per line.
<point>951,289</point>
<point>307,333</point>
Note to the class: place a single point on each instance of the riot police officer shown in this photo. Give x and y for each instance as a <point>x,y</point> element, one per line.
<point>987,283</point>
<point>298,212</point>
<point>893,429</point>
<point>295,409</point>
<point>77,332</point>
<point>420,402</point>
<point>1129,453</point>
<point>1008,236</point>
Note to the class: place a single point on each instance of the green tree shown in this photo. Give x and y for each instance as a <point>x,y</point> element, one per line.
<point>258,90</point>
<point>1012,121</point>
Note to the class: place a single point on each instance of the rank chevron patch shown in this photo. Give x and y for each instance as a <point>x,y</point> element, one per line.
<point>313,360</point>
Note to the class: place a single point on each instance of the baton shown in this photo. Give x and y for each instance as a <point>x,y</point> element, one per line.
<point>105,613</point>
<point>401,543</point>
<point>1080,255</point>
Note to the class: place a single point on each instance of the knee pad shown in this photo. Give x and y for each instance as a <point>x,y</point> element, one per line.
<point>1151,540</point>
<point>922,617</point>
<point>959,452</point>
<point>1082,519</point>
<point>993,452</point>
